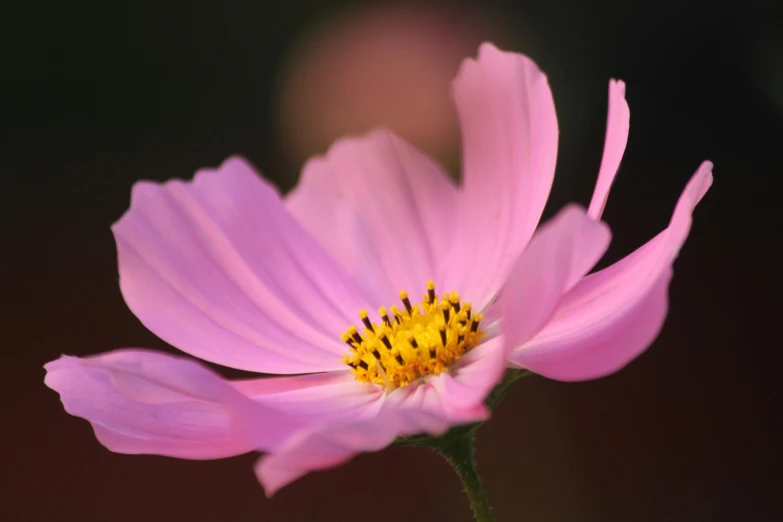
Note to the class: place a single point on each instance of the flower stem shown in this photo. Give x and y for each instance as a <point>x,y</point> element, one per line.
<point>458,451</point>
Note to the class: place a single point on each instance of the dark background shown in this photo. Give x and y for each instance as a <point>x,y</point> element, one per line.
<point>95,96</point>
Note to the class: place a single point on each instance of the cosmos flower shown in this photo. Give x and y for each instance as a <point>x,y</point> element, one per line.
<point>315,285</point>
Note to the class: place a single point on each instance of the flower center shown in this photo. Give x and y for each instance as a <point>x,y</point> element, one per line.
<point>423,339</point>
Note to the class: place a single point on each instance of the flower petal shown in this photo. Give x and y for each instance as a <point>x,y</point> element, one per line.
<point>337,398</point>
<point>509,134</point>
<point>349,424</point>
<point>471,379</point>
<point>382,209</point>
<point>318,451</point>
<point>314,398</point>
<point>612,316</point>
<point>432,408</point>
<point>562,251</point>
<point>617,127</point>
<point>406,411</point>
<point>142,401</point>
<point>219,269</point>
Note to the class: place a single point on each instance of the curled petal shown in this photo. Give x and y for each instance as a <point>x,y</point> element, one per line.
<point>313,400</point>
<point>142,401</point>
<point>509,134</point>
<point>612,316</point>
<point>430,406</point>
<point>617,127</point>
<point>219,269</point>
<point>318,451</point>
<point>468,383</point>
<point>562,251</point>
<point>415,410</point>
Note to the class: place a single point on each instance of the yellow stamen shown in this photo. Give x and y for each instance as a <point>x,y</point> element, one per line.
<point>430,291</point>
<point>365,319</point>
<point>384,316</point>
<point>425,339</point>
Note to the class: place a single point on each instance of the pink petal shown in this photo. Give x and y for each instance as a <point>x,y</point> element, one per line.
<point>369,429</point>
<point>432,406</point>
<point>141,401</point>
<point>418,408</point>
<point>471,379</point>
<point>612,316</point>
<point>563,250</point>
<point>319,451</point>
<point>617,126</point>
<point>336,398</point>
<point>382,209</point>
<point>275,471</point>
<point>219,269</point>
<point>311,399</point>
<point>509,134</point>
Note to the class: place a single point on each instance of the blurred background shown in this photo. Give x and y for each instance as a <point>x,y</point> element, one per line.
<point>95,96</point>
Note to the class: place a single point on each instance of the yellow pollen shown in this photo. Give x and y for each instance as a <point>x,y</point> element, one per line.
<point>419,340</point>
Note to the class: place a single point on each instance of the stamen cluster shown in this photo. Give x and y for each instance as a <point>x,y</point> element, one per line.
<point>422,339</point>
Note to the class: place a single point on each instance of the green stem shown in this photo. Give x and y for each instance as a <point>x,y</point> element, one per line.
<point>456,446</point>
<point>458,451</point>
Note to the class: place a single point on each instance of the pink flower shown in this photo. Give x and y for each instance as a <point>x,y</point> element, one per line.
<point>226,270</point>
